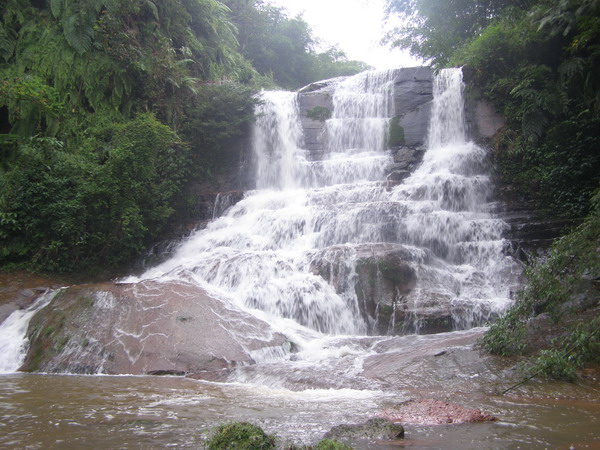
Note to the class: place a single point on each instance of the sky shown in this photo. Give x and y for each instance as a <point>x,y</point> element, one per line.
<point>356,26</point>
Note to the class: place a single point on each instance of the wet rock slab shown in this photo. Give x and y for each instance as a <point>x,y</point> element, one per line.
<point>149,327</point>
<point>437,365</point>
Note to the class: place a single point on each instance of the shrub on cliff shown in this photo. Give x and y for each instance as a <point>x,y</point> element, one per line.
<point>564,287</point>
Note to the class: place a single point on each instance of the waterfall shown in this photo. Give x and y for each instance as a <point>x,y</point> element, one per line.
<point>446,210</point>
<point>276,141</point>
<point>13,339</point>
<point>291,247</point>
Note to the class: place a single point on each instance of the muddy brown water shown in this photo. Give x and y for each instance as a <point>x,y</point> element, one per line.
<point>68,411</point>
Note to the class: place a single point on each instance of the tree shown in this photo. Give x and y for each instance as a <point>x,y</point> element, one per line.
<point>434,30</point>
<point>283,48</point>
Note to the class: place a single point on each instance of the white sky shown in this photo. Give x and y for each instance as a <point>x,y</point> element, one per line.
<point>356,26</point>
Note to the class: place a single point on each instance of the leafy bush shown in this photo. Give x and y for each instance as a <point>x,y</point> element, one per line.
<point>214,118</point>
<point>61,211</point>
<point>31,103</point>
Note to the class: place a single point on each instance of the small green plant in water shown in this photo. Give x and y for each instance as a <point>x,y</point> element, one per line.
<point>240,436</point>
<point>330,444</point>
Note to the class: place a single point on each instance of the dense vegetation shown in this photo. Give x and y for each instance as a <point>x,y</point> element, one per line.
<point>109,108</point>
<point>538,62</point>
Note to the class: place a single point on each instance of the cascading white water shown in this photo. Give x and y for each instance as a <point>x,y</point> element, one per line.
<point>362,106</point>
<point>13,339</point>
<point>277,138</point>
<point>263,252</point>
<point>446,209</point>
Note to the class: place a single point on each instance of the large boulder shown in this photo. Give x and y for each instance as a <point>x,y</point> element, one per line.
<point>145,328</point>
<point>413,96</point>
<point>19,290</point>
<point>385,280</point>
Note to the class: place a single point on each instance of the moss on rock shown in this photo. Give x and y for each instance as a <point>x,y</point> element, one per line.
<point>396,135</point>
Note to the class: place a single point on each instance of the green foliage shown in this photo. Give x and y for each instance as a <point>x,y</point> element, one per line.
<point>581,346</point>
<point>63,211</point>
<point>334,63</point>
<point>213,119</point>
<point>435,30</point>
<point>33,105</point>
<point>124,56</point>
<point>552,287</point>
<point>539,68</point>
<point>240,436</point>
<point>92,94</point>
<point>330,444</point>
<point>319,113</point>
<point>282,47</point>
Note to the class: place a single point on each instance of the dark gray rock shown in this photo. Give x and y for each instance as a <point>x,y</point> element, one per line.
<point>412,98</point>
<point>412,88</point>
<point>396,177</point>
<point>7,309</point>
<point>406,158</point>
<point>487,121</point>
<point>416,125</point>
<point>405,154</point>
<point>321,85</point>
<point>383,279</point>
<point>377,429</point>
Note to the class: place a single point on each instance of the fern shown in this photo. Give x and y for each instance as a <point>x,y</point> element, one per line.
<point>533,124</point>
<point>79,32</point>
<point>7,41</point>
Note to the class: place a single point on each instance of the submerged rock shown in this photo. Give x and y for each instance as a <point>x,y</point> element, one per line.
<point>144,328</point>
<point>377,429</point>
<point>435,412</point>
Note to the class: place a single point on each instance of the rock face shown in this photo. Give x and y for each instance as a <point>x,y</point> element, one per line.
<point>530,231</point>
<point>314,99</point>
<point>412,107</point>
<point>382,277</point>
<point>19,290</point>
<point>155,328</point>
